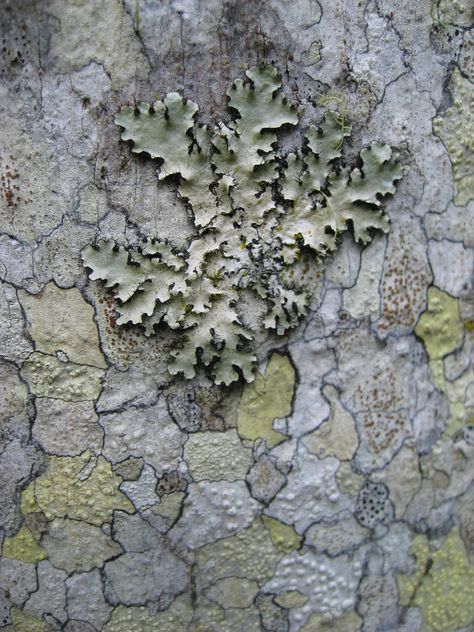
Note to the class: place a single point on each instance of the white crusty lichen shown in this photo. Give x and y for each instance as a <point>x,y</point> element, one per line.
<point>258,214</point>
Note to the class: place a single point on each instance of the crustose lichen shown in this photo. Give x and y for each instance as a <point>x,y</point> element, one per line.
<point>257,214</point>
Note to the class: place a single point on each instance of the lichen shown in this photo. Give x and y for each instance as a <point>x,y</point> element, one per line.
<point>283,536</point>
<point>61,321</point>
<point>440,325</point>
<point>442,584</point>
<point>347,621</point>
<point>455,12</point>
<point>217,456</point>
<point>338,435</point>
<point>250,553</point>
<point>22,547</point>
<point>138,619</point>
<point>27,622</point>
<point>80,488</point>
<point>456,129</point>
<point>48,376</point>
<point>260,216</point>
<point>233,592</point>
<point>441,329</point>
<point>268,398</point>
<point>327,583</point>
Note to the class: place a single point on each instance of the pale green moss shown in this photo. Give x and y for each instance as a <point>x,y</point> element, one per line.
<point>268,398</point>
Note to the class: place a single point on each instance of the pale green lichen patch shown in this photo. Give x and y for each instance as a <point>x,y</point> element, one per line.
<point>456,129</point>
<point>283,536</point>
<point>258,216</point>
<point>455,12</point>
<point>61,321</point>
<point>23,547</point>
<point>233,592</point>
<point>443,332</point>
<point>250,553</point>
<point>91,546</point>
<point>27,622</point>
<point>217,456</point>
<point>138,619</point>
<point>80,488</point>
<point>347,621</point>
<point>440,326</point>
<point>165,513</point>
<point>47,376</point>
<point>442,584</point>
<point>338,435</point>
<point>268,398</point>
<point>291,599</point>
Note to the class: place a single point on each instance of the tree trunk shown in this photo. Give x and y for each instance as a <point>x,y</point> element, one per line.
<point>317,473</point>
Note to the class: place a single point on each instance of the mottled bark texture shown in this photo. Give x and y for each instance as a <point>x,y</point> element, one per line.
<point>334,491</point>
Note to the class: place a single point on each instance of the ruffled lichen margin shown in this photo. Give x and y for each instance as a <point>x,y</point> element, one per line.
<point>260,216</point>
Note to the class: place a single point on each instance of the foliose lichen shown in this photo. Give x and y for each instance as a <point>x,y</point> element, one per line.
<point>260,215</point>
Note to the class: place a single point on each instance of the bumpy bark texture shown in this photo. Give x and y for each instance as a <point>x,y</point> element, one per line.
<point>334,491</point>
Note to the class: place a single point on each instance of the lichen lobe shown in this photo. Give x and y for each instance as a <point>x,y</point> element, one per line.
<point>257,214</point>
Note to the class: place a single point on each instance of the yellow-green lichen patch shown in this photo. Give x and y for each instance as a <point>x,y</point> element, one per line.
<point>80,488</point>
<point>268,398</point>
<point>211,617</point>
<point>291,599</point>
<point>250,554</point>
<point>455,12</point>
<point>138,619</point>
<point>338,435</point>
<point>74,545</point>
<point>347,622</point>
<point>443,331</point>
<point>61,320</point>
<point>83,17</point>
<point>458,414</point>
<point>26,622</point>
<point>164,514</point>
<point>28,502</point>
<point>233,592</point>
<point>217,456</point>
<point>456,130</point>
<point>22,547</point>
<point>348,481</point>
<point>440,326</point>
<point>442,584</point>
<point>402,477</point>
<point>47,376</point>
<point>283,536</point>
